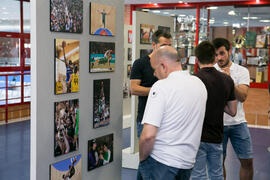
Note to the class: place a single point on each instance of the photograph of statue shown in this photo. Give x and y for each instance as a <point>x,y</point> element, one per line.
<point>102,19</point>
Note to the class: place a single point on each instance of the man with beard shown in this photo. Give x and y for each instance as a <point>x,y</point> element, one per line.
<point>235,128</point>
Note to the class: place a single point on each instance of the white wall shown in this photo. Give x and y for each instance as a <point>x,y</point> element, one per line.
<point>43,98</point>
<point>150,19</point>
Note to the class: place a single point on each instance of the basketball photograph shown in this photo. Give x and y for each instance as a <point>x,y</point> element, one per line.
<point>102,57</point>
<point>68,169</point>
<point>128,70</point>
<point>67,64</point>
<point>100,151</point>
<point>101,114</point>
<point>102,19</point>
<point>146,33</point>
<point>66,127</point>
<point>66,16</point>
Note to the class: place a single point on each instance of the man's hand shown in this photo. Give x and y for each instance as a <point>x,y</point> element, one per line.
<point>226,70</point>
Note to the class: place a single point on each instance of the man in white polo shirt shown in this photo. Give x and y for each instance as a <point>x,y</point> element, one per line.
<point>235,128</point>
<point>173,120</point>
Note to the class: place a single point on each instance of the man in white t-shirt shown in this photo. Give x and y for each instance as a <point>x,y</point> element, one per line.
<point>235,128</point>
<point>173,120</point>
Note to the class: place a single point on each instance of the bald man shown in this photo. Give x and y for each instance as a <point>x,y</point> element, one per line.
<point>172,120</point>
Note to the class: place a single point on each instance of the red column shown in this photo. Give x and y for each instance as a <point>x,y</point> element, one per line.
<point>197,33</point>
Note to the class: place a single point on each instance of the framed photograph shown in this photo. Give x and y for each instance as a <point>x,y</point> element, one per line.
<point>164,28</point>
<point>128,70</point>
<point>129,54</point>
<point>66,16</point>
<point>70,168</point>
<point>129,36</point>
<point>101,104</point>
<point>66,66</point>
<point>66,126</point>
<point>125,89</point>
<point>101,57</point>
<point>100,152</point>
<point>146,33</point>
<point>102,19</point>
<point>268,40</point>
<point>145,52</point>
<point>260,40</point>
<point>250,39</point>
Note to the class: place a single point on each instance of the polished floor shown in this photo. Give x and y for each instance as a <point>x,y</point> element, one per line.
<point>15,153</point>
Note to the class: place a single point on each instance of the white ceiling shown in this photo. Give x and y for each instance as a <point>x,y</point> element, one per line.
<point>219,15</point>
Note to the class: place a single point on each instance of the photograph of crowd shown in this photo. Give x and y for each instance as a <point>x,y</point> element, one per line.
<point>66,127</point>
<point>68,169</point>
<point>102,19</point>
<point>66,16</point>
<point>101,114</point>
<point>100,151</point>
<point>67,63</point>
<point>146,33</point>
<point>101,57</point>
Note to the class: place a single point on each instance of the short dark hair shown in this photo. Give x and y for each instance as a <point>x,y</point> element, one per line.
<point>160,33</point>
<point>205,52</point>
<point>219,42</point>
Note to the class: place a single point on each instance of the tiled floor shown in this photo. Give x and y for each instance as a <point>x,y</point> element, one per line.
<point>256,107</point>
<point>15,153</point>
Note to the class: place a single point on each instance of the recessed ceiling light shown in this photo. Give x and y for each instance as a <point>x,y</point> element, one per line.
<point>232,13</point>
<point>145,10</point>
<point>172,14</point>
<point>250,17</point>
<point>166,13</point>
<point>156,11</point>
<point>180,1</point>
<point>236,25</point>
<point>212,7</point>
<point>225,23</point>
<point>265,20</point>
<point>181,15</point>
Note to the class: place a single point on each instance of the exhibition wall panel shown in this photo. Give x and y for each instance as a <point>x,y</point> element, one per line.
<point>44,116</point>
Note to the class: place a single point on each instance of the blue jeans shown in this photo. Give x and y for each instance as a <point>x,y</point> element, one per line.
<point>240,139</point>
<point>150,169</point>
<point>139,129</point>
<point>209,160</point>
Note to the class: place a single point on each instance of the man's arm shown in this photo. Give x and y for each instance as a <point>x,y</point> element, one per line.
<point>137,89</point>
<point>147,140</point>
<point>241,92</point>
<point>231,108</point>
